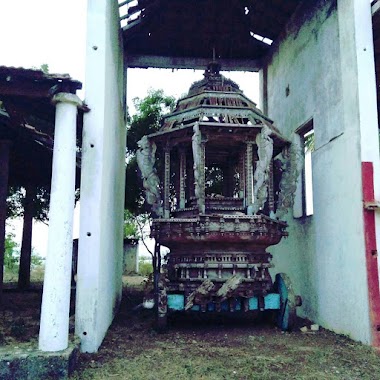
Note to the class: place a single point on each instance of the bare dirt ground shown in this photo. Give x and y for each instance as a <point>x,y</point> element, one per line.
<point>198,350</point>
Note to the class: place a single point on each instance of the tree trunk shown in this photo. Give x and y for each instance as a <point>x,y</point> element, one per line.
<point>4,173</point>
<point>26,245</point>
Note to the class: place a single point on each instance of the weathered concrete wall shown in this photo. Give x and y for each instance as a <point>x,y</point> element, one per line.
<point>325,254</point>
<point>131,257</point>
<point>103,178</point>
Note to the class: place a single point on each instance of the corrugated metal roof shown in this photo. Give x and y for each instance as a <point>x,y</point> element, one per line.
<point>236,29</point>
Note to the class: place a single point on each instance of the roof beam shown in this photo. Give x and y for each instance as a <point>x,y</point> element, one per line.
<point>124,3</point>
<point>131,12</point>
<point>161,62</point>
<point>375,7</point>
<point>26,89</point>
<point>130,24</point>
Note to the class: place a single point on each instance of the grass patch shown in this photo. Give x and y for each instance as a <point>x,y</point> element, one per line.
<point>196,350</point>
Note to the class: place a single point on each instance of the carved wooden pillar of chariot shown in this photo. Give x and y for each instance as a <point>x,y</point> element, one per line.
<point>182,178</point>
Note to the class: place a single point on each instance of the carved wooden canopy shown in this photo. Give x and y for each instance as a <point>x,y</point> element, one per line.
<point>221,109</point>
<point>217,150</point>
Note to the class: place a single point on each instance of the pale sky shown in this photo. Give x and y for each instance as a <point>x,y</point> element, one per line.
<point>54,32</point>
<point>36,32</point>
<point>44,31</point>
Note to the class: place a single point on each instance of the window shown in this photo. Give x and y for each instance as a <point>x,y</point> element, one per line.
<point>308,172</point>
<point>303,205</point>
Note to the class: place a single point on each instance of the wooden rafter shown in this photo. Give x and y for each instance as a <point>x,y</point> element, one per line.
<point>184,29</point>
<point>375,7</point>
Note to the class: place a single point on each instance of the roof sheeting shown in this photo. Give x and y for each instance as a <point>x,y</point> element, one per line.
<point>234,29</point>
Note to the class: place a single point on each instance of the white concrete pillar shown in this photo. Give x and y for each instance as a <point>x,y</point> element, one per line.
<point>54,325</point>
<point>100,264</point>
<point>360,113</point>
<point>263,90</point>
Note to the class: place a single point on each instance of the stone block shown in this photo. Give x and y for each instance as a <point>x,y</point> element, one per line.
<point>27,363</point>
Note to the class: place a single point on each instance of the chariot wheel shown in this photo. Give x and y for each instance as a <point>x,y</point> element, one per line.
<point>286,317</point>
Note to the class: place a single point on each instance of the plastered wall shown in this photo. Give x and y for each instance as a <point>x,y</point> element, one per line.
<point>307,76</point>
<point>103,178</point>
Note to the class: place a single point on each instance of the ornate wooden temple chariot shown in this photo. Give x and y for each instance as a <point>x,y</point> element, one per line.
<point>218,176</point>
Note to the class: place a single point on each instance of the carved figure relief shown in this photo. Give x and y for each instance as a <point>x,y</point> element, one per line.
<point>146,157</point>
<point>291,167</point>
<point>262,173</point>
<point>198,166</point>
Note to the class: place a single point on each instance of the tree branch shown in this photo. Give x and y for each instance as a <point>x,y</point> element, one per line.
<point>141,228</point>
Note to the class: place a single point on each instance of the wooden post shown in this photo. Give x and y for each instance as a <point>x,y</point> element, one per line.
<point>26,246</point>
<point>241,169</point>
<point>271,188</point>
<point>202,182</point>
<point>167,182</point>
<point>182,178</point>
<point>229,180</point>
<point>189,189</point>
<point>4,174</point>
<point>249,174</point>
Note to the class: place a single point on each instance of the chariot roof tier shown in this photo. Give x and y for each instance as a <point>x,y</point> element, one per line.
<point>222,111</point>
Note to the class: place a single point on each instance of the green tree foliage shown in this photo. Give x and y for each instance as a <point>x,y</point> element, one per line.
<point>214,181</point>
<point>309,142</point>
<point>12,253</point>
<point>131,230</point>
<point>148,116</point>
<point>134,227</point>
<point>133,188</point>
<point>145,268</point>
<point>149,112</point>
<point>44,68</point>
<point>16,202</point>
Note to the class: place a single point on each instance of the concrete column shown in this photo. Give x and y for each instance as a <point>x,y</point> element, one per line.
<point>263,91</point>
<point>54,325</point>
<point>182,178</point>
<point>360,114</point>
<point>167,183</point>
<point>100,264</point>
<point>4,172</point>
